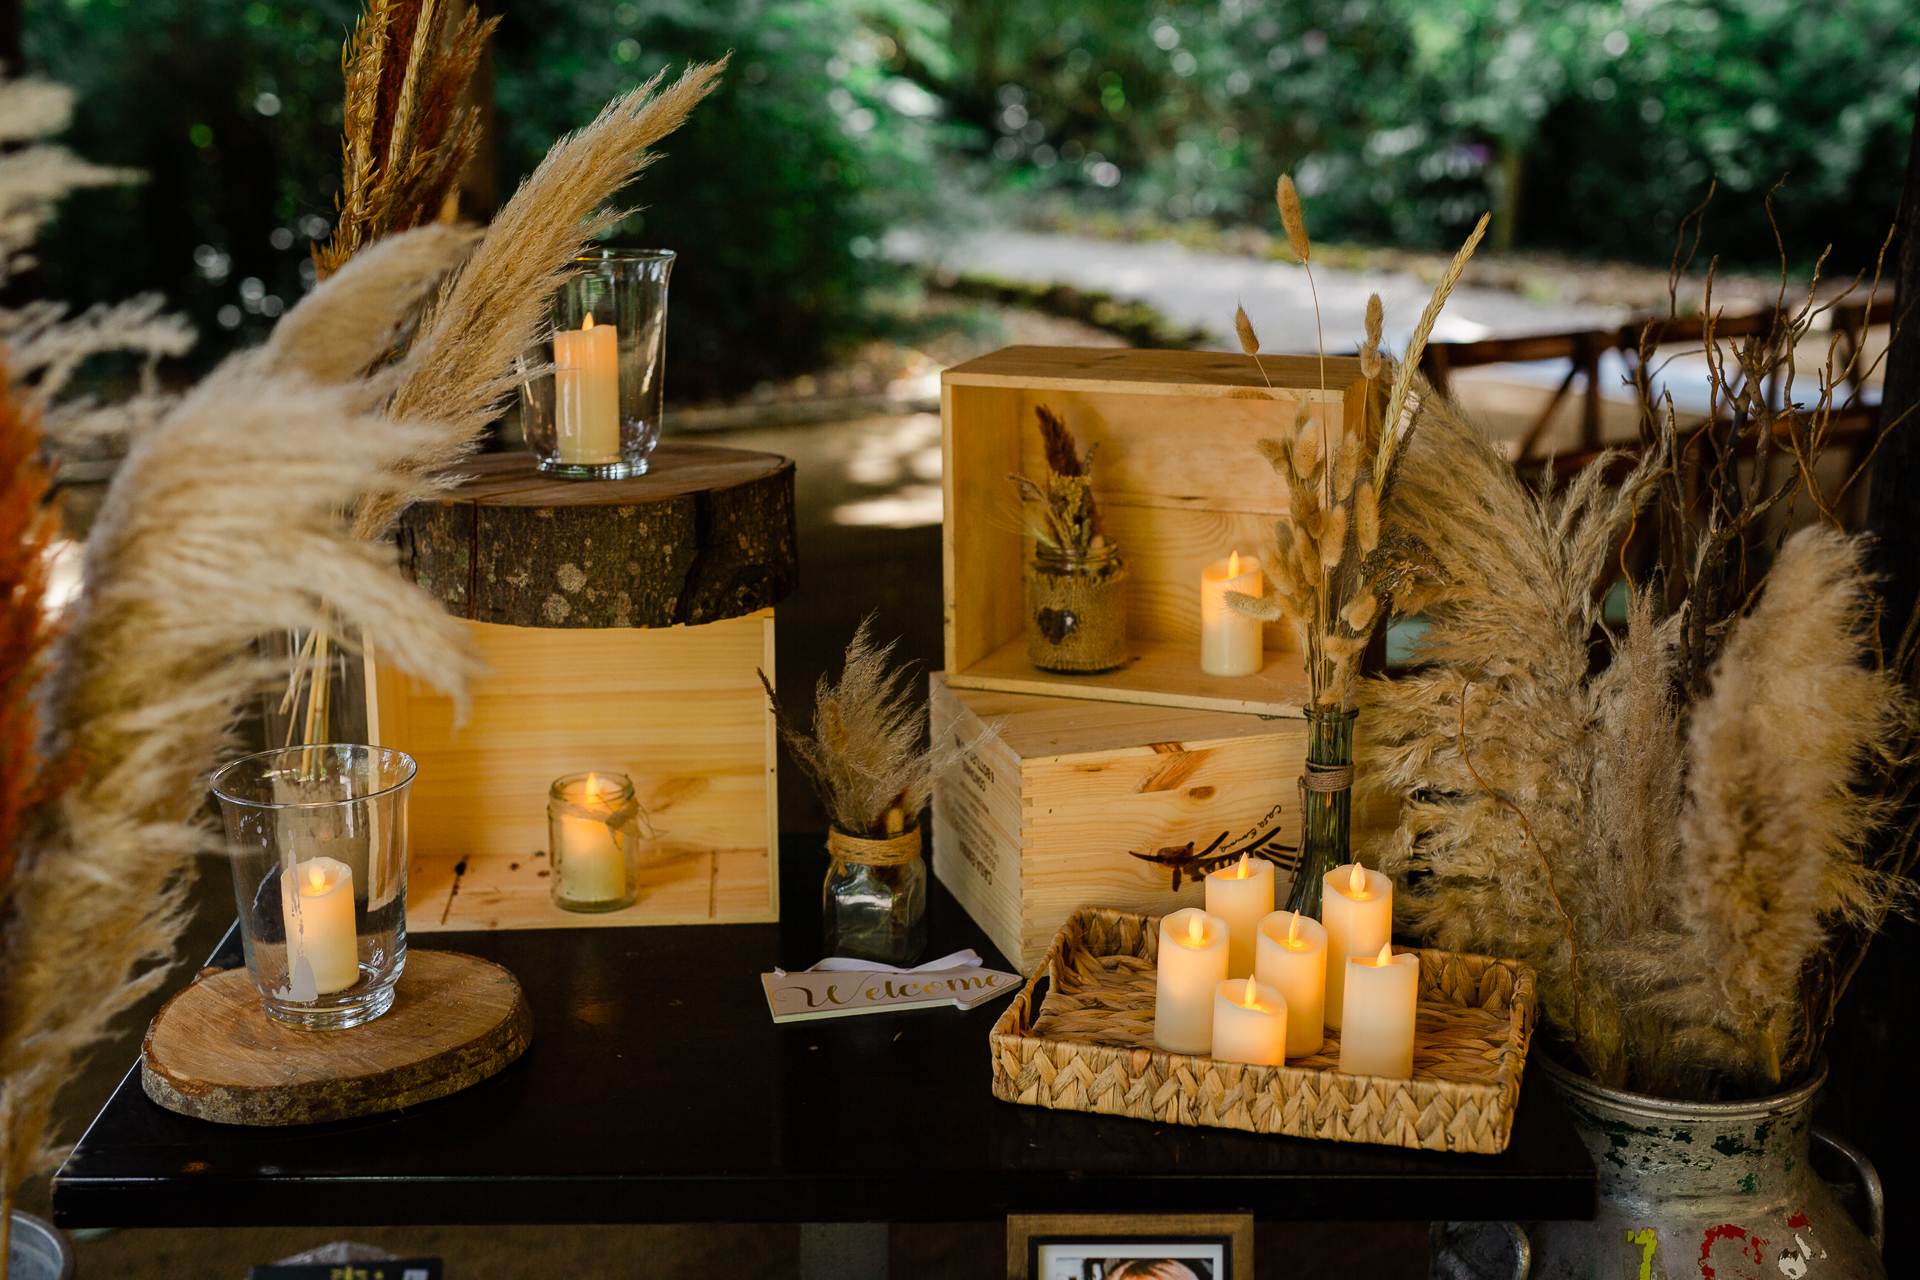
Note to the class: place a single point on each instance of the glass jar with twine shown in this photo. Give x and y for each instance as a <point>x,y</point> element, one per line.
<point>874,900</point>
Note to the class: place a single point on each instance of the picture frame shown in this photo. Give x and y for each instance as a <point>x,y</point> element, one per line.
<point>1100,1247</point>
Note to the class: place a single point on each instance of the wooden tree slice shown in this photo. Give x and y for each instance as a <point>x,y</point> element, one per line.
<point>212,1051</point>
<point>707,533</point>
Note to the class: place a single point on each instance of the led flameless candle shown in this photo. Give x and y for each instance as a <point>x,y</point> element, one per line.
<point>322,932</point>
<point>587,393</point>
<point>1242,895</point>
<point>1249,1023</point>
<point>1230,644</point>
<point>1292,959</point>
<point>1193,961</point>
<point>592,865</point>
<point>1376,1033</point>
<point>1357,909</point>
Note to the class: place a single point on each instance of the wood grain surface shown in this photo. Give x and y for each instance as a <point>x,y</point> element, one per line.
<point>706,534</point>
<point>1179,481</point>
<point>212,1051</point>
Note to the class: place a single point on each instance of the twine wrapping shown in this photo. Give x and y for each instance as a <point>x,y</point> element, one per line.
<point>1327,777</point>
<point>630,812</point>
<point>885,851</point>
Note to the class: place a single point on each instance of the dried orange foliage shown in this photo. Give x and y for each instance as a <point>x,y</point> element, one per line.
<point>27,526</point>
<point>406,136</point>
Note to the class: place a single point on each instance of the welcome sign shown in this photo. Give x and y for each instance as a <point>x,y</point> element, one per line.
<point>797,997</point>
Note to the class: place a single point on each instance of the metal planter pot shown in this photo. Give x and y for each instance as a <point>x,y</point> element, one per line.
<point>1706,1189</point>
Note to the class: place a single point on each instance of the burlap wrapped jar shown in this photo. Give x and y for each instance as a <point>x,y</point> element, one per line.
<point>1076,609</point>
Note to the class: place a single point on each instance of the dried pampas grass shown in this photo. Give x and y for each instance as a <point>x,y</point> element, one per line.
<point>864,754</point>
<point>223,523</point>
<point>1669,869</point>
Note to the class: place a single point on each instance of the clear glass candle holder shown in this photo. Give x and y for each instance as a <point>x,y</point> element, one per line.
<point>596,832</point>
<point>317,838</point>
<point>596,414</point>
<point>874,900</point>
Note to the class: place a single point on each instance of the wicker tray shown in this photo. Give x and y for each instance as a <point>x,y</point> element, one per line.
<point>1088,1046</point>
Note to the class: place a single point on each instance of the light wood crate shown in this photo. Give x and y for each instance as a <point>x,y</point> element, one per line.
<point>1085,1043</point>
<point>1042,822</point>
<point>679,709</point>
<point>1179,483</point>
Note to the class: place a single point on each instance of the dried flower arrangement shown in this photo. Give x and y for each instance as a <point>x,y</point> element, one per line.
<point>1063,515</point>
<point>223,522</point>
<point>454,358</point>
<point>1335,569</point>
<point>864,755</point>
<point>407,138</point>
<point>1682,824</point>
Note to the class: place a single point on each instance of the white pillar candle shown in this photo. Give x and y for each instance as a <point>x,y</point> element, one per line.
<point>1242,895</point>
<point>593,866</point>
<point>1249,1023</point>
<point>1356,905</point>
<point>1230,643</point>
<point>323,931</point>
<point>1292,959</point>
<point>586,385</point>
<point>1376,1032</point>
<point>1193,960</point>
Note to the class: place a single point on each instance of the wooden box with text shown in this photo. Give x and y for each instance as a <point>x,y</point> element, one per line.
<point>1179,483</point>
<point>1043,820</point>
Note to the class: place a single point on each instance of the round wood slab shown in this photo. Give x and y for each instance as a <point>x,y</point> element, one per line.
<point>706,534</point>
<point>212,1052</point>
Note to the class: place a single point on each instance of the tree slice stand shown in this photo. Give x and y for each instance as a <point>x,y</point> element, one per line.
<point>212,1051</point>
<point>623,623</point>
<point>706,534</point>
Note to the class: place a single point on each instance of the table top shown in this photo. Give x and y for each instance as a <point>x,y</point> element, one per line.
<point>659,1089</point>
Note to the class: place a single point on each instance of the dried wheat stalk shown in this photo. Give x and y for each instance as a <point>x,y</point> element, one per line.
<point>406,139</point>
<point>1332,577</point>
<point>1063,515</point>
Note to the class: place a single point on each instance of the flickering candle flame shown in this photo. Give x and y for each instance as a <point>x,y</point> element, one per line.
<point>317,878</point>
<point>1233,565</point>
<point>1243,870</point>
<point>1357,882</point>
<point>1246,995</point>
<point>1293,933</point>
<point>1385,956</point>
<point>588,324</point>
<point>1196,930</point>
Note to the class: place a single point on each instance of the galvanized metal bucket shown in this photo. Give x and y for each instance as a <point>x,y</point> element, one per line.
<point>1714,1190</point>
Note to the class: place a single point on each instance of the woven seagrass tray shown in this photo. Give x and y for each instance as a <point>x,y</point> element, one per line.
<point>1088,1046</point>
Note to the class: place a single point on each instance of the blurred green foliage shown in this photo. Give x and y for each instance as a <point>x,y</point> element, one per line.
<point>776,192</point>
<point>1590,126</point>
<point>232,111</point>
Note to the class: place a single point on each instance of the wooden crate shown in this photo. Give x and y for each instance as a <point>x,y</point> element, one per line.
<point>677,708</point>
<point>1043,820</point>
<point>1179,484</point>
<point>1087,1045</point>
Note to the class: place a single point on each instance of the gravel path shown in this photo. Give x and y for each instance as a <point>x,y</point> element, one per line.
<point>1195,289</point>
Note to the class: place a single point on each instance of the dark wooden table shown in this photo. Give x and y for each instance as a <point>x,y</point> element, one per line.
<point>658,1089</point>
